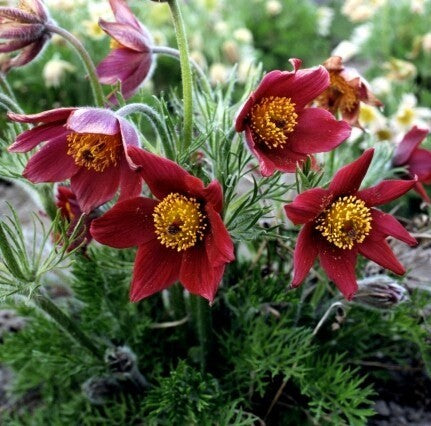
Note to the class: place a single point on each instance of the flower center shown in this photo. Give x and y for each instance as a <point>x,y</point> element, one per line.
<point>343,94</point>
<point>179,222</point>
<point>345,222</point>
<point>272,119</point>
<point>94,151</point>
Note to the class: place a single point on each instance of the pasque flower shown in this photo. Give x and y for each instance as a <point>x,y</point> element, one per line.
<point>346,91</point>
<point>23,28</point>
<point>130,60</point>
<point>342,221</point>
<point>87,145</point>
<point>72,213</point>
<point>417,160</point>
<point>279,129</point>
<point>179,233</point>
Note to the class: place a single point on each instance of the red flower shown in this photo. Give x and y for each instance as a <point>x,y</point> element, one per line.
<point>341,221</point>
<point>130,60</point>
<point>346,91</point>
<point>86,145</point>
<point>180,234</point>
<point>279,129</point>
<point>417,160</point>
<point>71,212</point>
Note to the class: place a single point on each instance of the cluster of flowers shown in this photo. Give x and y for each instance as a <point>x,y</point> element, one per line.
<point>179,232</point>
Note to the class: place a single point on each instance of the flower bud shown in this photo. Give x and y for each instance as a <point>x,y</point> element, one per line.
<point>55,71</point>
<point>380,291</point>
<point>274,7</point>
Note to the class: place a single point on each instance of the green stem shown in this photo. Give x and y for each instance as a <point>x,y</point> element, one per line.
<point>155,118</point>
<point>169,51</point>
<point>186,72</point>
<point>10,103</point>
<point>86,60</point>
<point>201,318</point>
<point>4,85</point>
<point>67,324</point>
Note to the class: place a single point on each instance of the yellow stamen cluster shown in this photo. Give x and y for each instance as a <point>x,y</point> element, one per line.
<point>345,96</point>
<point>345,222</point>
<point>179,222</point>
<point>94,151</point>
<point>272,119</point>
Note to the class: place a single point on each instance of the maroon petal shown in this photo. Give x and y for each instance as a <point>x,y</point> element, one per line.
<point>385,191</point>
<point>384,225</point>
<point>26,55</point>
<point>126,35</point>
<point>50,116</point>
<point>218,243</point>
<point>419,188</point>
<point>381,253</point>
<point>240,122</point>
<point>317,131</point>
<point>120,64</point>
<point>198,275</point>
<point>16,30</point>
<point>163,176</point>
<point>339,265</point>
<point>130,181</point>
<point>94,120</point>
<point>271,160</point>
<point>19,15</point>
<point>51,163</point>
<point>156,268</point>
<point>129,223</point>
<point>410,142</point>
<point>349,178</point>
<point>301,86</point>
<point>131,84</point>
<point>419,164</point>
<point>306,251</point>
<point>13,45</point>
<point>123,14</point>
<point>29,139</point>
<point>213,194</point>
<point>93,188</point>
<point>308,205</point>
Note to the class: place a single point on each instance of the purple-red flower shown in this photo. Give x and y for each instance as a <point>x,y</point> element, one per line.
<point>23,28</point>
<point>279,129</point>
<point>417,160</point>
<point>71,213</point>
<point>346,91</point>
<point>130,60</point>
<point>180,234</point>
<point>342,221</point>
<point>87,145</point>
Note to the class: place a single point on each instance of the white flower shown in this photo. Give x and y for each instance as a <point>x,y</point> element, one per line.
<point>55,71</point>
<point>409,114</point>
<point>346,49</point>
<point>426,43</point>
<point>325,15</point>
<point>273,7</point>
<point>243,35</point>
<point>218,73</point>
<point>381,86</point>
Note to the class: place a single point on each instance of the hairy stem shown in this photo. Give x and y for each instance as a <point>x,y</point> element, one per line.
<point>186,72</point>
<point>86,60</point>
<point>67,324</point>
<point>5,87</point>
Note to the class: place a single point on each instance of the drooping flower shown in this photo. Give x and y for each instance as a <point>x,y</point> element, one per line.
<point>279,129</point>
<point>71,213</point>
<point>346,91</point>
<point>417,160</point>
<point>130,61</point>
<point>87,145</point>
<point>180,234</point>
<point>23,29</point>
<point>342,221</point>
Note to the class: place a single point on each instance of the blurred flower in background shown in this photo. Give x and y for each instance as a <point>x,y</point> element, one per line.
<point>55,70</point>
